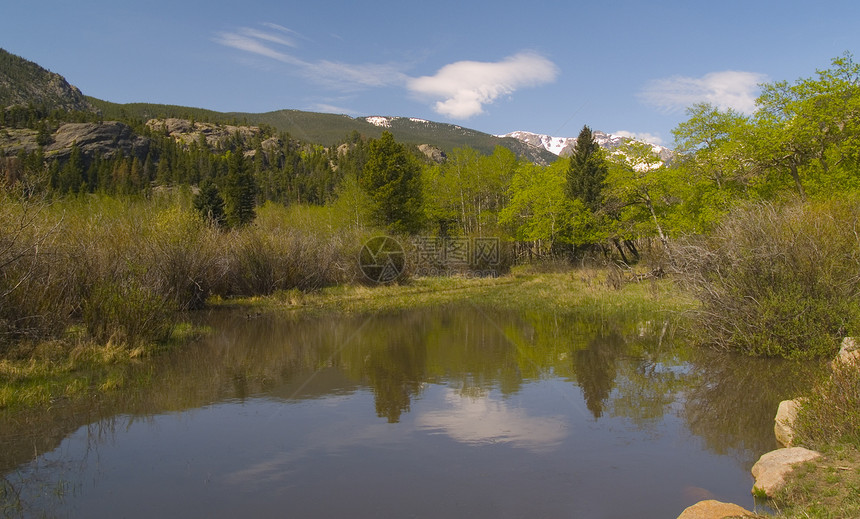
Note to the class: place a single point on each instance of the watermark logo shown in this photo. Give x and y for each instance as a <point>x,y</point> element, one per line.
<point>382,259</point>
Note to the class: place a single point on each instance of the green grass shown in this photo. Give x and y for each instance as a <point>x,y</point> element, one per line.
<point>829,422</point>
<point>827,488</point>
<point>51,371</point>
<point>583,292</point>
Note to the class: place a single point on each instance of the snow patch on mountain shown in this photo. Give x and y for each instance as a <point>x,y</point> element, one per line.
<point>563,146</point>
<point>376,120</point>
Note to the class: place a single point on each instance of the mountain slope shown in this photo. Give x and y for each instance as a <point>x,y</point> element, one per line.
<point>563,146</point>
<point>330,129</point>
<point>23,82</point>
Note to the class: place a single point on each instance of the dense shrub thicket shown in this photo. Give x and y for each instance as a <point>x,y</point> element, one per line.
<point>831,413</point>
<point>778,280</point>
<point>123,267</point>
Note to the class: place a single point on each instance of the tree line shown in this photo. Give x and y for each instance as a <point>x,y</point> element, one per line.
<point>803,140</point>
<point>757,213</point>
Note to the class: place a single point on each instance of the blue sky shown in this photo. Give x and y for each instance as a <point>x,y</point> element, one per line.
<point>545,67</point>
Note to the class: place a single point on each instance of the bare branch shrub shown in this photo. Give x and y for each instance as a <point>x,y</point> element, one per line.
<point>777,280</point>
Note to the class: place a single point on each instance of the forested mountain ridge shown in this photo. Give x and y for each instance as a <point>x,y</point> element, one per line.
<point>23,83</point>
<point>331,129</point>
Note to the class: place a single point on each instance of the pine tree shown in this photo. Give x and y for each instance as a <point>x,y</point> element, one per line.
<point>240,193</point>
<point>392,178</point>
<point>72,173</point>
<point>587,171</point>
<point>209,204</point>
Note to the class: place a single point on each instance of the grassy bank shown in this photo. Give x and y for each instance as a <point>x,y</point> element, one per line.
<point>90,285</point>
<point>829,422</point>
<point>43,372</point>
<point>581,292</point>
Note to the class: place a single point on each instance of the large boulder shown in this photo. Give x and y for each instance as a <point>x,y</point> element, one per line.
<point>849,352</point>
<point>770,470</point>
<point>786,416</point>
<point>712,509</point>
<point>433,153</point>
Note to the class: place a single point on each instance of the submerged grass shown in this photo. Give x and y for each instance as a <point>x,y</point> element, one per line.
<point>44,373</point>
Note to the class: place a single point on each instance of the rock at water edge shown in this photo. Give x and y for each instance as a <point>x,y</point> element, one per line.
<point>712,509</point>
<point>786,415</point>
<point>770,470</point>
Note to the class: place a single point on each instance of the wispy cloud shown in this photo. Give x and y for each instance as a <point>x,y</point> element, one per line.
<point>278,43</point>
<point>254,45</point>
<point>347,76</point>
<point>727,89</point>
<point>465,87</point>
<point>333,109</point>
<point>268,36</point>
<point>461,89</point>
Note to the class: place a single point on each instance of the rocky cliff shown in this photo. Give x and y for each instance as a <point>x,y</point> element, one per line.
<point>23,82</point>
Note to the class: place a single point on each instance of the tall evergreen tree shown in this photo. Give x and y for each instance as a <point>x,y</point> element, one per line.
<point>392,178</point>
<point>587,171</point>
<point>72,174</point>
<point>240,193</point>
<point>209,204</point>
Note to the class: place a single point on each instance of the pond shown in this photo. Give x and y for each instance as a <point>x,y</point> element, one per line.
<point>456,411</point>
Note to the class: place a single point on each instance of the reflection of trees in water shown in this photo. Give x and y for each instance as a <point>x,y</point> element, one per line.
<point>652,375</point>
<point>632,371</point>
<point>595,367</point>
<point>395,365</point>
<point>398,354</point>
<point>37,487</point>
<point>626,368</point>
<point>732,400</point>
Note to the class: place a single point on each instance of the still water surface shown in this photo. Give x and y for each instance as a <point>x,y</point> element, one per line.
<point>447,412</point>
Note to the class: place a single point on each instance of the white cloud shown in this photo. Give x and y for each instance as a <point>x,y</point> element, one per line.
<point>727,89</point>
<point>463,88</point>
<point>333,109</point>
<point>466,86</point>
<point>640,136</point>
<point>483,421</point>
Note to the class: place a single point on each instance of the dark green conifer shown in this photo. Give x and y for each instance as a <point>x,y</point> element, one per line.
<point>240,191</point>
<point>587,171</point>
<point>392,178</point>
<point>209,203</point>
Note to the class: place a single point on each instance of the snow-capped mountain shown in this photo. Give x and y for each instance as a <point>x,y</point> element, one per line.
<point>563,146</point>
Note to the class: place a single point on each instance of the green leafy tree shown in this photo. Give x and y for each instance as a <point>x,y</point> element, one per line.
<point>465,194</point>
<point>392,178</point>
<point>811,127</point>
<point>540,213</point>
<point>352,204</point>
<point>712,158</point>
<point>639,181</point>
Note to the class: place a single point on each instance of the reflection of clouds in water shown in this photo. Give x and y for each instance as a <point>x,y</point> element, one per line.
<point>334,438</point>
<point>483,420</point>
<point>271,470</point>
